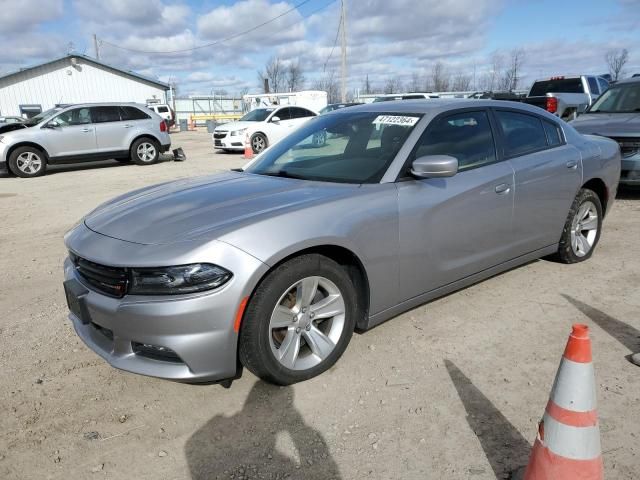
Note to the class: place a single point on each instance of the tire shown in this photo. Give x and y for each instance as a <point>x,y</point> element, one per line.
<point>145,151</point>
<point>578,242</point>
<point>277,299</point>
<point>28,162</point>
<point>258,142</point>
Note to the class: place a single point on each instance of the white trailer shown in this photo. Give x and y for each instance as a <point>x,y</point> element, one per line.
<point>314,100</point>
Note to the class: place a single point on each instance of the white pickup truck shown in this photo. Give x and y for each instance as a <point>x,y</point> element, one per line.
<point>566,97</point>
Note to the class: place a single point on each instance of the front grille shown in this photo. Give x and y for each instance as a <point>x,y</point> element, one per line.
<point>628,146</point>
<point>219,135</point>
<point>111,281</point>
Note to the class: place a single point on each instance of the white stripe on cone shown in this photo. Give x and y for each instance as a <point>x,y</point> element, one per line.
<point>574,387</point>
<point>578,443</point>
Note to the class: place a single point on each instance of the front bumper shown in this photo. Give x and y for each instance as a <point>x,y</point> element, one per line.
<point>199,328</point>
<point>630,172</point>
<point>229,142</point>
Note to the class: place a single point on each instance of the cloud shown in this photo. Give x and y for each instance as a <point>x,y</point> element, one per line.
<point>24,15</point>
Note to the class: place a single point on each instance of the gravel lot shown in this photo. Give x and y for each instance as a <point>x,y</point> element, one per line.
<point>452,389</point>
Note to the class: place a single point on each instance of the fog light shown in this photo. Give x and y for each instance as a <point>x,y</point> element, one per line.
<point>155,352</point>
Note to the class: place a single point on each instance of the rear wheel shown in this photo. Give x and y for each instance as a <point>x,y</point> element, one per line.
<point>299,321</point>
<point>27,162</point>
<point>145,151</point>
<point>582,228</point>
<point>258,142</point>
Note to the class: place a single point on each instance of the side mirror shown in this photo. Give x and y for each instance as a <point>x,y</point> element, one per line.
<point>275,119</point>
<point>52,124</point>
<point>434,166</point>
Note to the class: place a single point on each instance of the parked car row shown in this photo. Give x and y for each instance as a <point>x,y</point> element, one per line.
<point>82,133</point>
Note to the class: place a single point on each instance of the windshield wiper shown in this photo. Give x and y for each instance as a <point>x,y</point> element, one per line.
<point>284,174</point>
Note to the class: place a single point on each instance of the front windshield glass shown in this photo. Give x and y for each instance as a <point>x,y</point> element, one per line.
<point>618,99</point>
<point>355,147</point>
<point>41,116</point>
<point>257,115</point>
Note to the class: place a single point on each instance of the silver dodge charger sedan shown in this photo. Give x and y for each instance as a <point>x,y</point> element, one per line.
<point>274,267</point>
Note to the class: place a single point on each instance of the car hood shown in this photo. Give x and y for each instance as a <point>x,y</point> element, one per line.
<point>232,126</point>
<point>11,127</point>
<point>608,124</point>
<point>205,208</point>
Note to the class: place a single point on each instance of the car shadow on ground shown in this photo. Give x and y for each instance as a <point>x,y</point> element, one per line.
<point>621,331</point>
<point>76,167</point>
<point>244,445</point>
<point>505,448</point>
<point>628,193</point>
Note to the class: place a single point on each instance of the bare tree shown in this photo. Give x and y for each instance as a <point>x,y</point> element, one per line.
<point>511,75</point>
<point>274,72</point>
<point>462,82</point>
<point>440,77</point>
<point>415,83</point>
<point>329,84</point>
<point>491,79</point>
<point>366,86</point>
<point>393,85</point>
<point>294,77</point>
<point>616,60</point>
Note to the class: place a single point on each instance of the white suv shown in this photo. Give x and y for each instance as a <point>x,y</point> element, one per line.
<point>84,133</point>
<point>262,126</point>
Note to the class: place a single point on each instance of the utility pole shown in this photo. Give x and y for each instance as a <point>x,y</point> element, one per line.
<point>96,47</point>
<point>343,72</point>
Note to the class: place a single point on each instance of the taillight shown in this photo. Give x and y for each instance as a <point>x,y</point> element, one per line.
<point>552,104</point>
<point>163,126</point>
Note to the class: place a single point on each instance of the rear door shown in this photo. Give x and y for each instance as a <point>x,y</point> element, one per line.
<point>453,227</point>
<point>299,116</point>
<point>73,134</point>
<point>111,132</point>
<point>548,173</point>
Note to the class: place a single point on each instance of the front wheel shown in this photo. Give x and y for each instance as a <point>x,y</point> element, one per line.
<point>299,320</point>
<point>582,228</point>
<point>258,143</point>
<point>27,162</point>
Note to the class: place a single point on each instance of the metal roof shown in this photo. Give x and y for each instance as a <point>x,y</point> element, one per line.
<point>86,58</point>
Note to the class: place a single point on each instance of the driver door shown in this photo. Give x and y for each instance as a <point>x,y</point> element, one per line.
<point>451,228</point>
<point>72,134</point>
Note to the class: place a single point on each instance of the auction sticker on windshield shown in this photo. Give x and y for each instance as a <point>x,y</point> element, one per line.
<point>396,120</point>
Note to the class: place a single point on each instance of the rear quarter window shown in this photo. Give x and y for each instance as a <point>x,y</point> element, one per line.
<point>554,137</point>
<point>133,113</point>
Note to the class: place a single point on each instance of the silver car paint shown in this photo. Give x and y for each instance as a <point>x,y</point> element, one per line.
<point>410,236</point>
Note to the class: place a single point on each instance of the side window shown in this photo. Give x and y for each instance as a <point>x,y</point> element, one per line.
<point>297,112</point>
<point>105,114</point>
<point>603,84</point>
<point>163,109</point>
<point>522,133</point>
<point>593,85</point>
<point>466,136</point>
<point>132,113</point>
<point>283,113</point>
<point>553,133</point>
<point>77,116</point>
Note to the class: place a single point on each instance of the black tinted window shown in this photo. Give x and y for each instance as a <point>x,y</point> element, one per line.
<point>603,84</point>
<point>297,112</point>
<point>283,114</point>
<point>522,133</point>
<point>465,136</point>
<point>593,85</point>
<point>105,114</point>
<point>132,113</point>
<point>562,85</point>
<point>163,109</point>
<point>553,133</point>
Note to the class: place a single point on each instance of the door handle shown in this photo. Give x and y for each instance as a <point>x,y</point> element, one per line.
<point>128,126</point>
<point>85,130</point>
<point>573,164</point>
<point>503,189</point>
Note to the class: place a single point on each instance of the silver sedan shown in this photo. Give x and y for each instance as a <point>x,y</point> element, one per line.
<point>275,266</point>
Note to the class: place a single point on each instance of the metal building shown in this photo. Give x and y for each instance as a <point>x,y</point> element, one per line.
<point>74,79</point>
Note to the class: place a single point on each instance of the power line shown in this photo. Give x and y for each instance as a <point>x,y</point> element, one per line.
<point>230,37</point>
<point>335,42</point>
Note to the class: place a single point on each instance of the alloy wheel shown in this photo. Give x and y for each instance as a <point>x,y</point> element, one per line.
<point>29,163</point>
<point>584,229</point>
<point>307,323</point>
<point>146,152</point>
<point>258,143</point>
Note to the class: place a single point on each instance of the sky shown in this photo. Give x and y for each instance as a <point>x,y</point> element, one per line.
<point>386,38</point>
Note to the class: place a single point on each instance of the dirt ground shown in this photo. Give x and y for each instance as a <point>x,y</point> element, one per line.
<point>449,390</point>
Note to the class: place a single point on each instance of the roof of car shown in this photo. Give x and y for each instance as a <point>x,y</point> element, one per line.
<point>628,80</point>
<point>103,104</point>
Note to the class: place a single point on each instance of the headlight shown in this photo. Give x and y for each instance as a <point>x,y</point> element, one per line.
<point>175,280</point>
<point>238,132</point>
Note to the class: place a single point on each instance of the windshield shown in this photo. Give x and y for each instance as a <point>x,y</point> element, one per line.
<point>562,85</point>
<point>41,116</point>
<point>345,148</point>
<point>257,115</point>
<point>621,98</point>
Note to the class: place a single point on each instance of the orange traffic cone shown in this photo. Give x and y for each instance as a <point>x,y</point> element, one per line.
<point>568,443</point>
<point>248,151</point>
